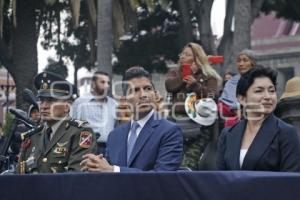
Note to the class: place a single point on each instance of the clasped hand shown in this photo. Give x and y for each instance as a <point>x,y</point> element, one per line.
<point>95,163</point>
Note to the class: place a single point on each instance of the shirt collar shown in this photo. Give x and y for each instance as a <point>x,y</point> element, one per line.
<point>93,98</point>
<point>144,120</point>
<point>57,124</point>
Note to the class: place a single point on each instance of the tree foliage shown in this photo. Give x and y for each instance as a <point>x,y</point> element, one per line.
<point>75,44</point>
<point>155,43</point>
<point>57,67</point>
<point>289,9</point>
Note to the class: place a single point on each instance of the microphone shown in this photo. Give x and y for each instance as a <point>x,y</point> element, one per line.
<point>20,114</point>
<point>29,133</point>
<point>29,97</point>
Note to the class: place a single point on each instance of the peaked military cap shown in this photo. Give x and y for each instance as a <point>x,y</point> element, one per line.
<point>52,85</point>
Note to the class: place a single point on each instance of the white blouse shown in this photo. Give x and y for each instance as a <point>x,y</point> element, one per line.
<point>243,153</point>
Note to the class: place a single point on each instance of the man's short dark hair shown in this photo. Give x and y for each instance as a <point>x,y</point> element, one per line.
<point>247,79</point>
<point>134,72</point>
<point>99,72</point>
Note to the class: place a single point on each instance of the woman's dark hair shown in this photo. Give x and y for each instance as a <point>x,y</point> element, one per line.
<point>248,78</point>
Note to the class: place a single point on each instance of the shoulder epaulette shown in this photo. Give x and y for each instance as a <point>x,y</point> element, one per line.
<point>77,123</point>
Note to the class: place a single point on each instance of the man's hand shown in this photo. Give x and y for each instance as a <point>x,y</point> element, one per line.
<point>95,163</point>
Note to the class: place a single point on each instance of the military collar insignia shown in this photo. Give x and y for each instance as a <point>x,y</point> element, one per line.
<point>77,123</point>
<point>62,144</point>
<point>80,123</point>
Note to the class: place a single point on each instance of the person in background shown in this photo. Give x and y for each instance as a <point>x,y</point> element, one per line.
<point>228,75</point>
<point>288,108</point>
<point>60,142</point>
<point>98,109</point>
<point>261,141</point>
<point>194,74</point>
<point>147,142</point>
<point>228,104</point>
<point>34,114</point>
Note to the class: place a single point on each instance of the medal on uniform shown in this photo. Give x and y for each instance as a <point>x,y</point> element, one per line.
<point>60,148</point>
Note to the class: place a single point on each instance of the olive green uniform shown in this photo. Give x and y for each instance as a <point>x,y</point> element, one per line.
<point>63,153</point>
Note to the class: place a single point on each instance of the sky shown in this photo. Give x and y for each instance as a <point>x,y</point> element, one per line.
<point>217,18</point>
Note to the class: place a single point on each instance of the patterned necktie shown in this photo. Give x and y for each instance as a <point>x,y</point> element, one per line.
<point>132,139</point>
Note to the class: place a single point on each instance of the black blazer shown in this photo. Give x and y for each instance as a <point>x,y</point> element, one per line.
<point>276,147</point>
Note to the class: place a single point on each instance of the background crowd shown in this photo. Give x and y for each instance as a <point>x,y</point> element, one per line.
<point>210,124</point>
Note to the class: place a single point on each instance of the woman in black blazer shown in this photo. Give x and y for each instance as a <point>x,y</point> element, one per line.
<point>261,141</point>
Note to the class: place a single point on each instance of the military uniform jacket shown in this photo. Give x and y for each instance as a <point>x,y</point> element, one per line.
<point>63,153</point>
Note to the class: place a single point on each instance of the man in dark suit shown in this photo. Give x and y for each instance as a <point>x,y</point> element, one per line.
<point>147,142</point>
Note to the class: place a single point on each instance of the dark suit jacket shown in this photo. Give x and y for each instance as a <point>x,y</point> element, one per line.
<point>276,147</point>
<point>158,147</point>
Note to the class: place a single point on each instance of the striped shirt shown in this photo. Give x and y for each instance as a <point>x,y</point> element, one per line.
<point>100,115</point>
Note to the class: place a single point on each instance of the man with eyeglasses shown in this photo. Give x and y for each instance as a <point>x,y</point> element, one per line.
<point>62,141</point>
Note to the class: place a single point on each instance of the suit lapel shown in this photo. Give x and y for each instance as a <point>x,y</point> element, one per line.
<point>234,141</point>
<point>260,143</point>
<point>143,137</point>
<point>57,135</point>
<point>123,137</point>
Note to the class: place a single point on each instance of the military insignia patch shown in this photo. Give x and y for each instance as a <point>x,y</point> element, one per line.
<point>26,143</point>
<point>85,140</point>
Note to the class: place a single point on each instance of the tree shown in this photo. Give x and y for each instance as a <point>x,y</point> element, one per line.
<point>203,19</point>
<point>104,36</point>
<point>57,67</point>
<point>18,45</point>
<point>155,41</point>
<point>244,13</point>
<point>19,34</point>
<point>81,49</point>
<point>186,27</point>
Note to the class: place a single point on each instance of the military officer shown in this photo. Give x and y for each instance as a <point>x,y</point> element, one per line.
<point>62,141</point>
